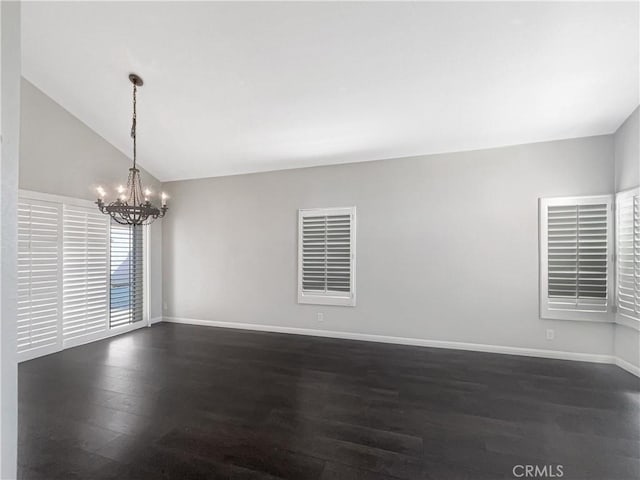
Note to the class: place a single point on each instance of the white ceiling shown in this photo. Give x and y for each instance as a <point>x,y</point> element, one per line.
<point>244,87</point>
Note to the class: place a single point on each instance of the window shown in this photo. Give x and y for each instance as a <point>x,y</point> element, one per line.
<point>126,290</point>
<point>628,255</point>
<point>326,256</point>
<point>576,268</point>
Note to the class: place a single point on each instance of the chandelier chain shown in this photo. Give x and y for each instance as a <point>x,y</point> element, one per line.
<point>133,125</point>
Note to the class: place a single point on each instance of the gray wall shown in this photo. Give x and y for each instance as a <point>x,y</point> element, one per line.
<point>626,142</point>
<point>9,151</point>
<point>447,245</point>
<point>61,155</point>
<point>627,168</point>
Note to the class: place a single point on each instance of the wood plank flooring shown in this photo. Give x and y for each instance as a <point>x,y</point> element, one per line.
<point>185,402</point>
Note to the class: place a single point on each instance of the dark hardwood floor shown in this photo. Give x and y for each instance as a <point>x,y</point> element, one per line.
<point>184,402</point>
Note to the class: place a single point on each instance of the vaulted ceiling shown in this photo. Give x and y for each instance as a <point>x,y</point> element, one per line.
<point>243,87</point>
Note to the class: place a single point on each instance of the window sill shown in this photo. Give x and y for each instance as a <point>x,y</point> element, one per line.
<point>578,316</point>
<point>311,299</point>
<point>627,322</point>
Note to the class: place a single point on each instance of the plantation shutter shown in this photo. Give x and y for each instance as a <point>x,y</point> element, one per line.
<point>85,247</point>
<point>628,253</point>
<point>77,276</point>
<point>126,291</point>
<point>576,257</point>
<point>326,256</point>
<point>39,268</point>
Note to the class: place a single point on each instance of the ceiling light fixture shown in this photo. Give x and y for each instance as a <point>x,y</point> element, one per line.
<point>132,206</point>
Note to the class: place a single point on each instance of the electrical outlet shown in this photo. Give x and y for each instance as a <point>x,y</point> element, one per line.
<point>320,317</point>
<point>550,334</point>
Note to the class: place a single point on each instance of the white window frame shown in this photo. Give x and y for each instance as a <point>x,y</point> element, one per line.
<point>576,312</point>
<point>328,298</point>
<point>145,280</point>
<point>620,317</point>
<point>109,332</point>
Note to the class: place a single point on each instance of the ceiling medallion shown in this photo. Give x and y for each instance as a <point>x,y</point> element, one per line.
<point>132,207</point>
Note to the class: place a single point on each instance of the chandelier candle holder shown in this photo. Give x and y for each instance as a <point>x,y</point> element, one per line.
<point>132,206</point>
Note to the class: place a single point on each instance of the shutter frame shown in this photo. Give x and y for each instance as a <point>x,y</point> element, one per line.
<point>129,241</point>
<point>627,291</point>
<point>599,309</point>
<point>327,256</point>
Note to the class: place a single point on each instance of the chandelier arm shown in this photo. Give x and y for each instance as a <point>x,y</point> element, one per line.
<point>113,216</point>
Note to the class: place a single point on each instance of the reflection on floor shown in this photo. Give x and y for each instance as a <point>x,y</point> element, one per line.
<point>186,402</point>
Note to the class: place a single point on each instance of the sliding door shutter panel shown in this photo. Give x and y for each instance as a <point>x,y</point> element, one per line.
<point>39,283</point>
<point>85,249</point>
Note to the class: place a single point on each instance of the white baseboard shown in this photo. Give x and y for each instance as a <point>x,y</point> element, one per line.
<point>476,347</point>
<point>155,320</point>
<point>82,340</point>
<point>38,352</point>
<point>629,367</point>
<point>108,333</point>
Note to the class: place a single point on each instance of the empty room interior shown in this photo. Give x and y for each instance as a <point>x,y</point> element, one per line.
<point>320,240</point>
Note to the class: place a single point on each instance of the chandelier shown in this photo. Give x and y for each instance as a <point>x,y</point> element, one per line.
<point>132,206</point>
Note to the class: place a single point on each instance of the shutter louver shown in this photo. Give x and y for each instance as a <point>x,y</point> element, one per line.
<point>85,272</point>
<point>326,257</point>
<point>576,238</point>
<point>562,251</point>
<point>628,255</point>
<point>126,292</point>
<point>636,250</point>
<point>593,254</point>
<point>38,306</point>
